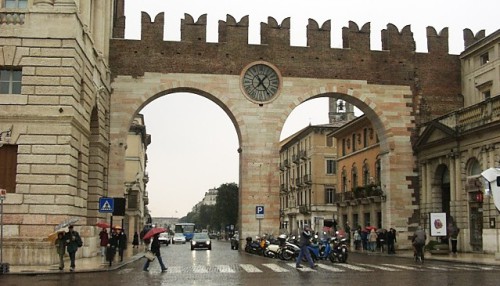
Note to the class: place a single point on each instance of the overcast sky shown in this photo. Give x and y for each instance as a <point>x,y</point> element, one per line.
<point>194,144</point>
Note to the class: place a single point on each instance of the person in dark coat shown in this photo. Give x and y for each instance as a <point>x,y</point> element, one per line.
<point>122,243</point>
<point>305,240</point>
<point>155,248</point>
<point>61,248</point>
<point>112,246</point>
<point>135,242</point>
<point>73,242</point>
<point>391,240</point>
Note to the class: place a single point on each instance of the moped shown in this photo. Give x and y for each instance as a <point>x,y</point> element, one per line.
<point>339,250</point>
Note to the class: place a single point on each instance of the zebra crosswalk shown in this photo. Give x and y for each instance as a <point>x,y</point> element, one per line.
<point>283,267</point>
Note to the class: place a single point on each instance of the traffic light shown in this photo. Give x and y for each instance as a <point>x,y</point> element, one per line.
<point>119,206</point>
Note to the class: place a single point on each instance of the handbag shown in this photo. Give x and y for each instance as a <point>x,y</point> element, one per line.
<point>150,255</point>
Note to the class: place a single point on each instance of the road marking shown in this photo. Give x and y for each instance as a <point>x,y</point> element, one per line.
<point>200,269</point>
<point>303,269</point>
<point>250,268</point>
<point>437,268</point>
<point>380,267</point>
<point>330,268</point>
<point>174,269</point>
<point>354,267</point>
<point>401,266</point>
<point>275,267</point>
<point>224,269</point>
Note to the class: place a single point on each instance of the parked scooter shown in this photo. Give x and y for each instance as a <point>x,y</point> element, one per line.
<point>282,248</point>
<point>319,248</point>
<point>339,250</point>
<point>253,246</point>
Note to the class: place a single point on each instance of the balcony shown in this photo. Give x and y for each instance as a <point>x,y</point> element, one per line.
<point>304,209</point>
<point>286,163</point>
<point>307,179</point>
<point>295,159</point>
<point>303,154</point>
<point>12,18</point>
<point>298,182</point>
<point>471,117</point>
<point>282,167</point>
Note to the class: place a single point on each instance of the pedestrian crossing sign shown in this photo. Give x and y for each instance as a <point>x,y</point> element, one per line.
<point>106,205</point>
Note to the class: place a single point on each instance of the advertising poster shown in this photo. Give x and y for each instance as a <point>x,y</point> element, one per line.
<point>438,224</point>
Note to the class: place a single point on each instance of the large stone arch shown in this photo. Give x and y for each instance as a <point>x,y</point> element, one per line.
<point>259,129</point>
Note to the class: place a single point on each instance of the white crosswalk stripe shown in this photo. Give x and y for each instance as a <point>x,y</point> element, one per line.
<point>353,267</point>
<point>283,267</point>
<point>250,268</point>
<point>174,269</point>
<point>225,269</point>
<point>200,269</point>
<point>380,267</point>
<point>402,266</point>
<point>275,267</point>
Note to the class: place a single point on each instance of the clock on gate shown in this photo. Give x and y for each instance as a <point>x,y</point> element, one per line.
<point>260,82</point>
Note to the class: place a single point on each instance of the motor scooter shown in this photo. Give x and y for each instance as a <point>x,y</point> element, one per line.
<point>253,246</point>
<point>339,250</point>
<point>320,248</point>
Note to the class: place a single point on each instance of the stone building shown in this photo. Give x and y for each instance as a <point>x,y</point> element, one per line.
<point>136,177</point>
<point>55,102</point>
<point>454,149</point>
<point>359,195</point>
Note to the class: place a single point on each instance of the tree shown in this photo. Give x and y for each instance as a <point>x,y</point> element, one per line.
<point>226,206</point>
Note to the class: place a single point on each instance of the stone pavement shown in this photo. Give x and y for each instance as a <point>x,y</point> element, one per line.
<point>94,264</point>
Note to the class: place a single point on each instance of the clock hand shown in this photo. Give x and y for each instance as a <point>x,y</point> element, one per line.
<point>261,81</point>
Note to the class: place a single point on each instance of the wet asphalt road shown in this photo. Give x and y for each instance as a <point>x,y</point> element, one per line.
<point>223,266</point>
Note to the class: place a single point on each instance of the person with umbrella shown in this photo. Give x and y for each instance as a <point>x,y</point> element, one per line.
<point>61,248</point>
<point>155,247</point>
<point>73,242</point>
<point>104,239</point>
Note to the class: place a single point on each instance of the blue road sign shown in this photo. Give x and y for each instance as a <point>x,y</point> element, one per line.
<point>259,211</point>
<point>106,205</point>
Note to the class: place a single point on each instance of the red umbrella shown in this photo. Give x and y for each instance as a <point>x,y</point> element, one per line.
<point>103,224</point>
<point>152,232</point>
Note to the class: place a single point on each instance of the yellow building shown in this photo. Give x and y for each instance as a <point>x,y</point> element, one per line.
<point>358,195</point>
<point>307,178</point>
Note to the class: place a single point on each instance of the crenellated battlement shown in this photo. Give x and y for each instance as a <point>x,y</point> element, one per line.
<point>272,33</point>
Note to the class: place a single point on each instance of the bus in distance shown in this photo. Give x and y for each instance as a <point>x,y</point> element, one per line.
<point>186,228</point>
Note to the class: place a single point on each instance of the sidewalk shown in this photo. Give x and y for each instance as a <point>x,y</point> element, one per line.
<point>88,264</point>
<point>95,264</point>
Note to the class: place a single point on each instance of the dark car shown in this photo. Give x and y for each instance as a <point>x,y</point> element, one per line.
<point>201,240</point>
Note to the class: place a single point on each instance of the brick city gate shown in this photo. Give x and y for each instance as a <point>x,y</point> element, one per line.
<point>74,90</point>
<point>388,86</point>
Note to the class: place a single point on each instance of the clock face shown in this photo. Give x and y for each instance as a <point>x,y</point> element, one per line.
<point>260,82</point>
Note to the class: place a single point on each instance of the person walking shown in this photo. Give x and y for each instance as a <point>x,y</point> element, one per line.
<point>104,239</point>
<point>73,242</point>
<point>305,240</point>
<point>453,231</point>
<point>155,248</point>
<point>122,243</point>
<point>135,241</point>
<point>112,246</point>
<point>418,241</point>
<point>61,248</point>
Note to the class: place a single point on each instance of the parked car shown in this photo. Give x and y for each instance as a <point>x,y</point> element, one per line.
<point>178,238</point>
<point>164,238</point>
<point>201,240</point>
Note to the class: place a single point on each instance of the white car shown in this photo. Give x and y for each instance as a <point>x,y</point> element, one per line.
<point>179,238</point>
<point>164,238</point>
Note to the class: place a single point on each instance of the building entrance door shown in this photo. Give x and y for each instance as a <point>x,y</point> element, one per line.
<point>476,226</point>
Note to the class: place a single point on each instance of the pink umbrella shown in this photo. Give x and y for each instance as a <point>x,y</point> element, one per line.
<point>154,231</point>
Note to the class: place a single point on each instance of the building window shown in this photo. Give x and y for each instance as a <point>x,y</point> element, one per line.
<point>354,180</point>
<point>330,167</point>
<point>132,200</point>
<point>16,3</point>
<point>353,142</point>
<point>486,94</point>
<point>329,195</point>
<point>365,137</point>
<point>484,58</point>
<point>343,147</point>
<point>10,81</point>
<point>8,167</point>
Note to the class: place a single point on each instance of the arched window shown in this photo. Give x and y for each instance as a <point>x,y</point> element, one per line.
<point>354,172</point>
<point>378,171</point>
<point>344,180</point>
<point>366,173</point>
